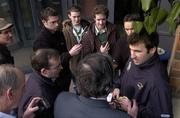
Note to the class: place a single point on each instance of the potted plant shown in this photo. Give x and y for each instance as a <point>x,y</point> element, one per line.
<point>155,15</point>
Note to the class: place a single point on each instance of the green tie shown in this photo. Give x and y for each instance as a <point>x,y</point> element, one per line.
<point>102,37</point>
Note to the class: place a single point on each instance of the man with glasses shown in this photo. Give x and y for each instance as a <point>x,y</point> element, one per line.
<point>51,37</point>
<point>41,82</point>
<point>5,39</point>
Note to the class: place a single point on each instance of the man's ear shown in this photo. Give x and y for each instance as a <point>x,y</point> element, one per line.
<point>153,50</point>
<point>9,94</point>
<point>43,21</point>
<point>44,72</point>
<point>69,16</point>
<point>94,18</point>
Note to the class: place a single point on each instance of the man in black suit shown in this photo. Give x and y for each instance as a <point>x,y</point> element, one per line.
<point>94,82</point>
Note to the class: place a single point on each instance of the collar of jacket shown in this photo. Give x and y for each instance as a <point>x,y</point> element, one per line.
<point>3,46</point>
<point>98,32</point>
<point>149,62</point>
<point>43,79</point>
<point>109,26</point>
<point>48,32</point>
<point>67,24</point>
<point>94,102</point>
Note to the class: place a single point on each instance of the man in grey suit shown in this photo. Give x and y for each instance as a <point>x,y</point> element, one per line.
<point>94,82</point>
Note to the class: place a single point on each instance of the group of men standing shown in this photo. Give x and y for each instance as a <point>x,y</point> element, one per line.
<point>55,64</point>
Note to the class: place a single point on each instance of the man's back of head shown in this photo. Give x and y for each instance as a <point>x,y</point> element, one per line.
<point>11,86</point>
<point>94,75</point>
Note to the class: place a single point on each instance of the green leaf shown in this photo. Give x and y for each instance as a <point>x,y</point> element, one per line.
<point>175,11</point>
<point>171,25</point>
<point>171,1</point>
<point>154,13</point>
<point>150,20</point>
<point>153,4</point>
<point>162,14</point>
<point>146,4</point>
<point>149,24</point>
<point>138,25</point>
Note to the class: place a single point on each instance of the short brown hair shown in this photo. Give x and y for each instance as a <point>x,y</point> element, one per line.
<point>40,58</point>
<point>132,17</point>
<point>149,40</point>
<point>48,12</point>
<point>100,9</point>
<point>74,8</point>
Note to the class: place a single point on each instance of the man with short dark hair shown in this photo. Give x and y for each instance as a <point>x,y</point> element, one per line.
<point>41,82</point>
<point>129,20</point>
<point>74,29</point>
<point>148,77</point>
<point>122,55</point>
<point>94,82</point>
<point>5,39</point>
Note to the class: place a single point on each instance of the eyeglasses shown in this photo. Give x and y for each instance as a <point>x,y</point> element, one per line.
<point>56,67</point>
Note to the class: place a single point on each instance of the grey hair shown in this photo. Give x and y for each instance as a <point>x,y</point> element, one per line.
<point>8,77</point>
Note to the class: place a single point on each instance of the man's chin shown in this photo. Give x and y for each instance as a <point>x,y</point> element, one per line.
<point>8,42</point>
<point>136,62</point>
<point>77,23</point>
<point>53,30</point>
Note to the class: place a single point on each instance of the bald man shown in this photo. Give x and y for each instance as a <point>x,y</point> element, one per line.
<point>12,82</point>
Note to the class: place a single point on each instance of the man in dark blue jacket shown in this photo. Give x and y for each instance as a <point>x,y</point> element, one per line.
<point>145,79</point>
<point>41,82</point>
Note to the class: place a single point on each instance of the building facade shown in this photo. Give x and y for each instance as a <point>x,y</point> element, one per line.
<point>25,14</point>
